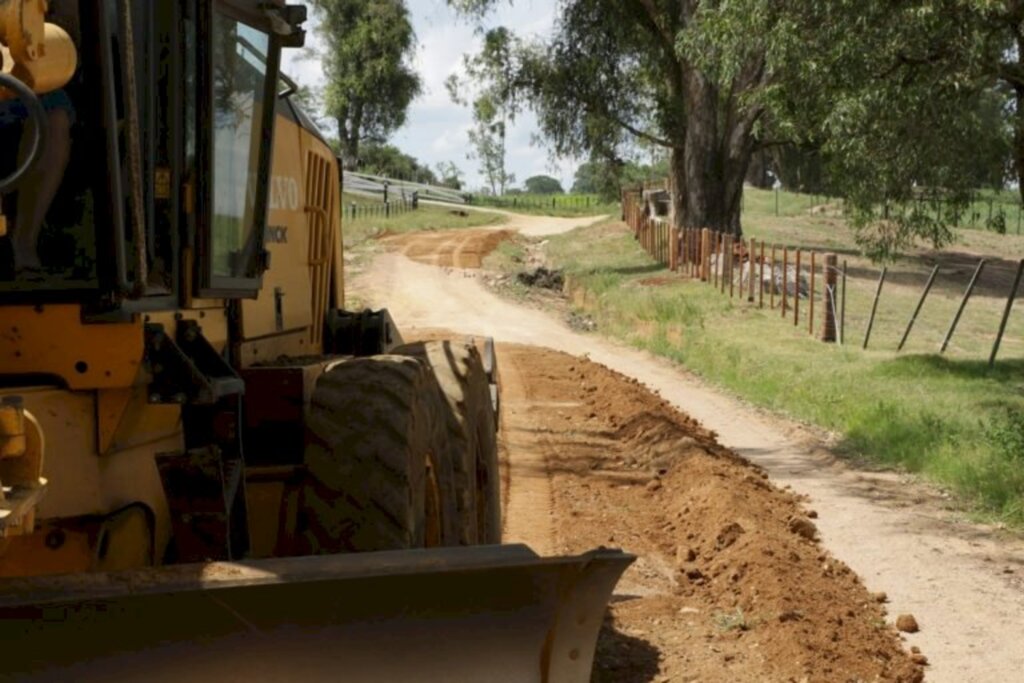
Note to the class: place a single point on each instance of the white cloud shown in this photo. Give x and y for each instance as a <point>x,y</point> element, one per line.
<point>451,142</point>
<point>437,129</point>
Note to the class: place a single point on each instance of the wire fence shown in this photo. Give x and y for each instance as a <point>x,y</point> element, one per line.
<point>957,304</point>
<point>379,186</point>
<point>995,212</point>
<point>514,202</point>
<point>386,209</point>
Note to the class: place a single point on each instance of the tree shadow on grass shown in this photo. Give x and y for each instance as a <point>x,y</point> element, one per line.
<point>921,366</point>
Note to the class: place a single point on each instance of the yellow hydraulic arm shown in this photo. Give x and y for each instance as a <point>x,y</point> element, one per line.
<point>43,55</point>
<point>35,57</point>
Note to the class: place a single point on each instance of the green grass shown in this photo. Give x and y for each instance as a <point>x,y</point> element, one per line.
<point>761,204</point>
<point>951,419</point>
<point>427,217</point>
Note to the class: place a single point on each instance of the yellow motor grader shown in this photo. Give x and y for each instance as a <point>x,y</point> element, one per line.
<point>209,469</point>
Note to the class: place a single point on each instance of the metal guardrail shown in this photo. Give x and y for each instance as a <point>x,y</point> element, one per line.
<point>379,186</point>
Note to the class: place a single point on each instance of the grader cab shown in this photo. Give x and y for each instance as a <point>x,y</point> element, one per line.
<point>208,467</point>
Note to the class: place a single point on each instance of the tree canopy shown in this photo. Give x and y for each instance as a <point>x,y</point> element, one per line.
<point>885,102</point>
<point>449,175</point>
<point>490,90</point>
<point>543,184</point>
<point>365,57</point>
<point>607,177</point>
<point>388,160</point>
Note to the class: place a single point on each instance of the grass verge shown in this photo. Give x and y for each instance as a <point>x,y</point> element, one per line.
<point>427,217</point>
<point>559,206</point>
<point>952,420</point>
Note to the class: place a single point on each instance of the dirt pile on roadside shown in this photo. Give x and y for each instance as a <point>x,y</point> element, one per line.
<point>730,582</point>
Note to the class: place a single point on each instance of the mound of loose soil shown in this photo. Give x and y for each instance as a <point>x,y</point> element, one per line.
<point>730,582</point>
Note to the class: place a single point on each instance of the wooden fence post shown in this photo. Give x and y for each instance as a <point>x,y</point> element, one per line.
<point>729,263</point>
<point>751,261</point>
<point>727,250</point>
<point>760,277</point>
<point>1006,314</point>
<point>920,305</point>
<point>745,291</point>
<point>842,309</point>
<point>694,252</point>
<point>771,274</point>
<point>785,280</point>
<point>874,306</point>
<point>796,291</point>
<point>831,276</point>
<point>705,254</point>
<point>673,249</point>
<point>684,262</point>
<point>714,270</point>
<point>963,305</point>
<point>732,268</point>
<point>810,297</point>
<point>723,245</point>
<point>688,251</point>
<point>714,274</point>
<point>699,261</point>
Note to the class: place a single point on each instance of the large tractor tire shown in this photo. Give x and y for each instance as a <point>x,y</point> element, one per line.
<point>471,435</point>
<point>379,478</point>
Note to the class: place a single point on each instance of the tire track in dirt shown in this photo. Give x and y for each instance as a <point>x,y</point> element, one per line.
<point>448,248</point>
<point>528,509</point>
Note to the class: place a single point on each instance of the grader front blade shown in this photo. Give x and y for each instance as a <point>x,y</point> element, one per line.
<point>496,614</point>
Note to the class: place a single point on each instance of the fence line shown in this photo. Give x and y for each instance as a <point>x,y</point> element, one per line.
<point>386,209</point>
<point>996,214</point>
<point>528,202</point>
<point>723,261</point>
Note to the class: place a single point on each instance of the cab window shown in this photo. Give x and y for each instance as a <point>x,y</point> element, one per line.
<point>239,78</point>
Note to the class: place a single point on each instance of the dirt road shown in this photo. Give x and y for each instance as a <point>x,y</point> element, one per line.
<point>449,248</point>
<point>964,587</point>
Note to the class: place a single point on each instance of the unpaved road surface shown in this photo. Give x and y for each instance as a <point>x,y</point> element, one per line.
<point>532,226</point>
<point>448,248</point>
<point>963,585</point>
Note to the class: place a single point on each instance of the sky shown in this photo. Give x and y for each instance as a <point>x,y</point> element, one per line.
<point>437,129</point>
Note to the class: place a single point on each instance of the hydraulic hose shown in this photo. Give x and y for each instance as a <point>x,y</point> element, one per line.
<point>38,117</point>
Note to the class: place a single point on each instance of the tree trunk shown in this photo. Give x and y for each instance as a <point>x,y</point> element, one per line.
<point>1018,139</point>
<point>713,164</point>
<point>350,135</point>
<point>757,173</point>
<point>348,160</point>
<point>677,188</point>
